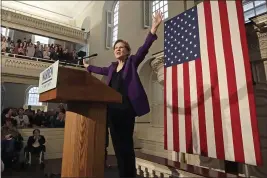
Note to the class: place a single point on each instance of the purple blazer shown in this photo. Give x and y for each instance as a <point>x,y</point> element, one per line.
<point>135,89</point>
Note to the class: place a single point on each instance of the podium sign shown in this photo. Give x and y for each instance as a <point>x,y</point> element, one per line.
<point>48,78</point>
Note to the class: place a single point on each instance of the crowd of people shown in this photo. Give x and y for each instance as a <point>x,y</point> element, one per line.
<point>14,119</point>
<point>46,51</point>
<point>28,118</point>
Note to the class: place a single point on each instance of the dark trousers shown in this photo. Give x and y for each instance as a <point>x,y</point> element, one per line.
<point>35,151</point>
<point>8,146</point>
<point>121,126</point>
<point>107,142</point>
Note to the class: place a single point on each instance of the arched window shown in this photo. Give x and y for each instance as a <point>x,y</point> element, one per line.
<point>115,22</point>
<point>162,6</point>
<point>32,97</point>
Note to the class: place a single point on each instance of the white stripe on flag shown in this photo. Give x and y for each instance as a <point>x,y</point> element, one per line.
<point>181,110</point>
<point>222,78</point>
<point>241,82</point>
<point>206,83</point>
<point>194,107</point>
<point>169,108</point>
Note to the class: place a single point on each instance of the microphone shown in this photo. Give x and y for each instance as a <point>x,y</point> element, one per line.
<point>87,57</point>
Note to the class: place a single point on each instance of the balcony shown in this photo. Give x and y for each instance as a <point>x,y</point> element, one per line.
<point>23,69</point>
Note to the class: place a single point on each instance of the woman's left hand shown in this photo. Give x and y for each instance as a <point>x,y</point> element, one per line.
<point>157,19</point>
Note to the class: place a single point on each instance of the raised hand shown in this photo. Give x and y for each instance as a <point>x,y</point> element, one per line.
<point>157,19</point>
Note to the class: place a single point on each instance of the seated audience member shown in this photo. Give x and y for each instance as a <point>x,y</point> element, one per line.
<point>14,112</point>
<point>49,118</point>
<point>35,145</point>
<point>9,135</point>
<point>22,119</point>
<point>7,113</point>
<point>38,119</point>
<point>59,122</point>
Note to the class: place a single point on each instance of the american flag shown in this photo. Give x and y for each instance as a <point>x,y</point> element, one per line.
<point>209,106</point>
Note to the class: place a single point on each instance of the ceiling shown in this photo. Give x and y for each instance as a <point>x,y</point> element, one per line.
<point>60,11</point>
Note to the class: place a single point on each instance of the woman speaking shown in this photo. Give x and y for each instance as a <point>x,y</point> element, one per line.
<point>123,77</point>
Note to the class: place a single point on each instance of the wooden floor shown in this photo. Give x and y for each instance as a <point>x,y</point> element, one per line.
<point>53,169</point>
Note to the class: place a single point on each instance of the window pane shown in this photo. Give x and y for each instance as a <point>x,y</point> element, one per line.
<point>166,8</point>
<point>166,15</point>
<point>257,3</point>
<point>3,31</point>
<point>161,10</point>
<point>249,14</point>
<point>261,9</point>
<point>248,6</point>
<point>165,2</point>
<point>160,6</point>
<point>161,3</point>
<point>154,8</point>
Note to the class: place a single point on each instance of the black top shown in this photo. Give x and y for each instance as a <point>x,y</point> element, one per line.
<point>116,83</point>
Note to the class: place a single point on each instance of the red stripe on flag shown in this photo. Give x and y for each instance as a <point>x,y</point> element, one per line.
<point>187,107</point>
<point>214,83</point>
<point>176,146</point>
<point>201,109</point>
<point>254,123</point>
<point>232,86</point>
<point>165,110</point>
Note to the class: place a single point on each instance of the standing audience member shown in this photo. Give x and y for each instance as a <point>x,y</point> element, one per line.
<point>54,55</point>
<point>30,50</point>
<point>21,49</point>
<point>46,53</point>
<point>7,114</point>
<point>3,44</point>
<point>38,50</point>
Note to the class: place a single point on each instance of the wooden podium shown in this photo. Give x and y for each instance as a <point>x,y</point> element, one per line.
<point>85,124</point>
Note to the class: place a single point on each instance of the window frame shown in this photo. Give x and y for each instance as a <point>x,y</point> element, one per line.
<point>115,12</point>
<point>152,5</point>
<point>34,98</point>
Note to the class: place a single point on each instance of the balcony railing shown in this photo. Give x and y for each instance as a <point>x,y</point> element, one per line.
<point>61,62</point>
